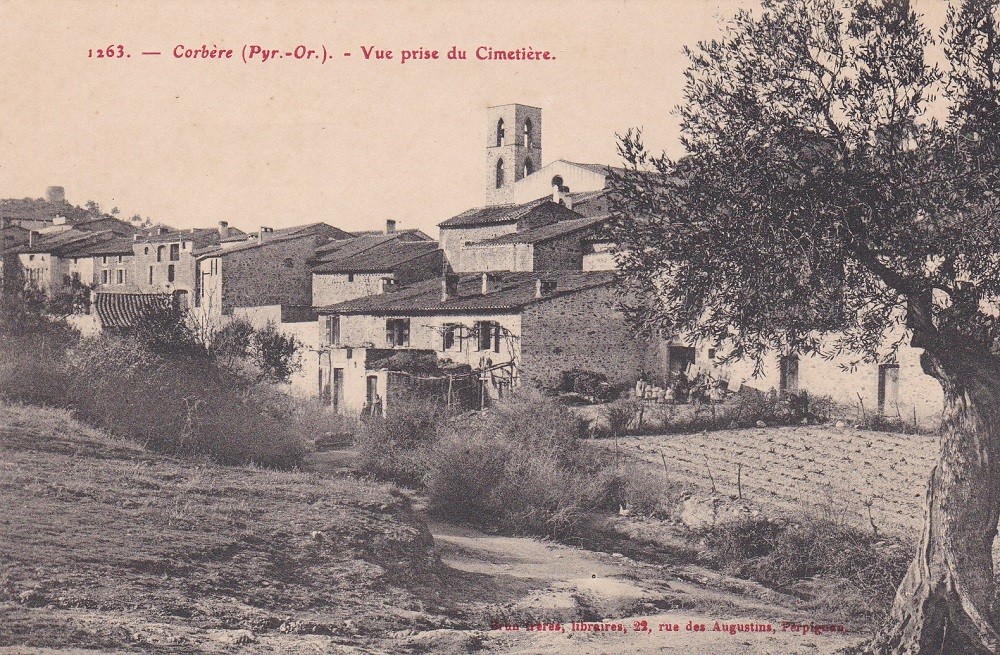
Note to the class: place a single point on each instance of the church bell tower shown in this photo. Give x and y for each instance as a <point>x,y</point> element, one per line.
<point>513,149</point>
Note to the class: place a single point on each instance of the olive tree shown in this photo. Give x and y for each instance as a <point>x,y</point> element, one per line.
<point>838,194</point>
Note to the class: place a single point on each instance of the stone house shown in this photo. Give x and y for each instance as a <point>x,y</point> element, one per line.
<point>482,223</point>
<point>374,265</point>
<point>563,245</point>
<point>166,262</point>
<point>511,329</point>
<point>271,268</point>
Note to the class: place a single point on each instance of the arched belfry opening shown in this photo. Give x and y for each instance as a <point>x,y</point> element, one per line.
<point>514,151</point>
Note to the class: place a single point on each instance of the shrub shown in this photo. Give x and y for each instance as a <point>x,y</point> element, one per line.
<point>784,553</point>
<point>518,468</point>
<point>395,448</point>
<point>619,415</point>
<point>589,384</point>
<point>138,386</point>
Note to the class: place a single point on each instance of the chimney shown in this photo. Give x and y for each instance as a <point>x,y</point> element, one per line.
<point>389,285</point>
<point>223,229</point>
<point>390,226</point>
<point>263,233</point>
<point>491,282</point>
<point>55,194</point>
<point>544,287</point>
<point>449,286</point>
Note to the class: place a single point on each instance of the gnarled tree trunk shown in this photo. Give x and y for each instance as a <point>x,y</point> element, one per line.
<point>945,602</point>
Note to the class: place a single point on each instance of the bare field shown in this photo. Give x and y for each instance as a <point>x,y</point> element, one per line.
<point>787,470</point>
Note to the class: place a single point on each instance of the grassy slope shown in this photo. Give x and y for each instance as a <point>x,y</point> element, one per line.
<point>105,545</point>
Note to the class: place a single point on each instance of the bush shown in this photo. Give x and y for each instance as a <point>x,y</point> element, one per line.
<point>519,468</point>
<point>594,386</point>
<point>785,553</point>
<point>619,415</point>
<point>153,385</point>
<point>395,448</point>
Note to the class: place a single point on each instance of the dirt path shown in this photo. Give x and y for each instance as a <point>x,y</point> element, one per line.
<point>526,582</point>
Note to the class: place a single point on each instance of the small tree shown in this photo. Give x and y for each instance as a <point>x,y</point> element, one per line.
<point>818,197</point>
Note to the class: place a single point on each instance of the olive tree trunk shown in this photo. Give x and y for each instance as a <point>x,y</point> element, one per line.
<point>945,604</point>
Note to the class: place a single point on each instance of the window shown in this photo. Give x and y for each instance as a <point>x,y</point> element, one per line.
<point>170,273</point>
<point>104,259</point>
<point>159,253</point>
<point>288,262</point>
<point>145,250</point>
<point>499,173</point>
<point>76,277</point>
<point>175,252</point>
<point>31,258</point>
<point>788,374</point>
<point>350,277</point>
<point>333,330</point>
<point>105,275</point>
<point>397,332</point>
<point>488,336</point>
<point>500,132</point>
<point>120,276</point>
<point>888,388</point>
<point>119,259</point>
<point>527,133</point>
<point>529,168</point>
<point>150,274</point>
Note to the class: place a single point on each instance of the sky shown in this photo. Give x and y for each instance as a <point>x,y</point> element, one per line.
<point>351,142</point>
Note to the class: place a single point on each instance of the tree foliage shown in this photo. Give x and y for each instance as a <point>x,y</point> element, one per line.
<point>834,179</point>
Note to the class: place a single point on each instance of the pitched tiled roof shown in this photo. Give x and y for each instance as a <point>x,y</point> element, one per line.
<point>58,243</point>
<point>321,230</point>
<point>382,257</point>
<point>340,249</point>
<point>122,310</point>
<point>515,291</point>
<point>546,232</point>
<point>412,234</point>
<point>200,236</point>
<point>114,245</point>
<point>495,214</point>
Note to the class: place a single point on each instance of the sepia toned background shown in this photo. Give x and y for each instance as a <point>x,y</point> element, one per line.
<point>352,142</point>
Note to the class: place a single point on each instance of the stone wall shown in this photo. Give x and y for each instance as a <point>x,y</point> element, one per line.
<point>333,288</point>
<point>579,330</point>
<point>271,274</point>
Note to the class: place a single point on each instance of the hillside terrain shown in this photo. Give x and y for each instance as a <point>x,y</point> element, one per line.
<point>104,545</point>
